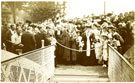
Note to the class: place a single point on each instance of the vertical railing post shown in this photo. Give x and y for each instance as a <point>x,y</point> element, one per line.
<point>42,58</point>
<point>42,41</point>
<point>42,54</point>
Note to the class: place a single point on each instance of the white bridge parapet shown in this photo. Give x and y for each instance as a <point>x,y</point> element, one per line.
<point>33,66</point>
<point>119,69</point>
<point>38,66</point>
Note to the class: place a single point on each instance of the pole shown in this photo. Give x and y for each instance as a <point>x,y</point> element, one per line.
<point>104,8</point>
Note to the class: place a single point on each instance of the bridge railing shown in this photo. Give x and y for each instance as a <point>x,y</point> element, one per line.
<point>33,66</point>
<point>119,69</point>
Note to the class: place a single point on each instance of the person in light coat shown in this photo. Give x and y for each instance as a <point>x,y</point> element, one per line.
<point>104,54</point>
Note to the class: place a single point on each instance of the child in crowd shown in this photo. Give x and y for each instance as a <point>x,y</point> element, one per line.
<point>116,43</point>
<point>98,50</point>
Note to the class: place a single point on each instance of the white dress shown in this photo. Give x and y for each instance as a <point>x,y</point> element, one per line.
<point>105,55</point>
<point>88,42</point>
<point>98,50</point>
<point>98,45</point>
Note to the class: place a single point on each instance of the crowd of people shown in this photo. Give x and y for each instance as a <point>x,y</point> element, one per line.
<point>86,38</point>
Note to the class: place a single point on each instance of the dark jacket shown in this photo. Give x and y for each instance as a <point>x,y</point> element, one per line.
<point>29,42</point>
<point>8,37</point>
<point>39,37</point>
<point>9,44</point>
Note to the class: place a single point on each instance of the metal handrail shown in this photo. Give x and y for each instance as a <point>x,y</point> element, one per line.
<point>24,54</point>
<point>122,57</point>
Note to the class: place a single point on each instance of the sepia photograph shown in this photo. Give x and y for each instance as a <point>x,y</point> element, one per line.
<point>67,41</point>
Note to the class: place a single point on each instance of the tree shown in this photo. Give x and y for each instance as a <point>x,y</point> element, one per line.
<point>42,11</point>
<point>9,8</point>
<point>38,11</point>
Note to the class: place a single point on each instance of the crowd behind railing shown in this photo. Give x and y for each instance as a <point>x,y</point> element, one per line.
<point>116,30</point>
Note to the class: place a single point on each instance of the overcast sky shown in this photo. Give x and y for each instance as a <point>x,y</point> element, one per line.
<point>78,8</point>
<point>85,7</point>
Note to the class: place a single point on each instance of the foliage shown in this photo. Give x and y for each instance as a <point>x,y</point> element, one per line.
<point>41,11</point>
<point>38,11</point>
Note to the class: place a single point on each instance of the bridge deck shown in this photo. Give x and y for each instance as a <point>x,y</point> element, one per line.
<point>79,73</point>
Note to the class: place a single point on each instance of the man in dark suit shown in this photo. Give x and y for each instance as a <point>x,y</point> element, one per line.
<point>39,37</point>
<point>8,41</point>
<point>28,40</point>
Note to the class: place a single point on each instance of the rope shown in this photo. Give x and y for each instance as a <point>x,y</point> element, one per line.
<point>73,49</point>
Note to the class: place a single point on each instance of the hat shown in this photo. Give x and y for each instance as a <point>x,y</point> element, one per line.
<point>96,24</point>
<point>116,36</point>
<point>109,14</point>
<point>104,35</point>
<point>48,27</point>
<point>28,21</point>
<point>77,30</point>
<point>111,27</point>
<point>85,21</point>
<point>78,23</point>
<point>51,32</point>
<point>105,24</point>
<point>122,24</point>
<point>37,30</point>
<point>87,25</point>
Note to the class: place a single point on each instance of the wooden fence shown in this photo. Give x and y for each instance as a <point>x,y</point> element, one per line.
<point>119,69</point>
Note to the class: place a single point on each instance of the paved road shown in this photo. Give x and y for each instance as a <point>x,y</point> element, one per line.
<point>79,73</point>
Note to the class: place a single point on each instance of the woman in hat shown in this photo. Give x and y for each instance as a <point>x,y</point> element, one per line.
<point>88,56</point>
<point>111,30</point>
<point>98,45</point>
<point>73,46</point>
<point>104,54</point>
<point>80,45</point>
<point>86,39</point>
<point>66,41</point>
<point>104,30</point>
<point>118,40</point>
<point>59,49</point>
